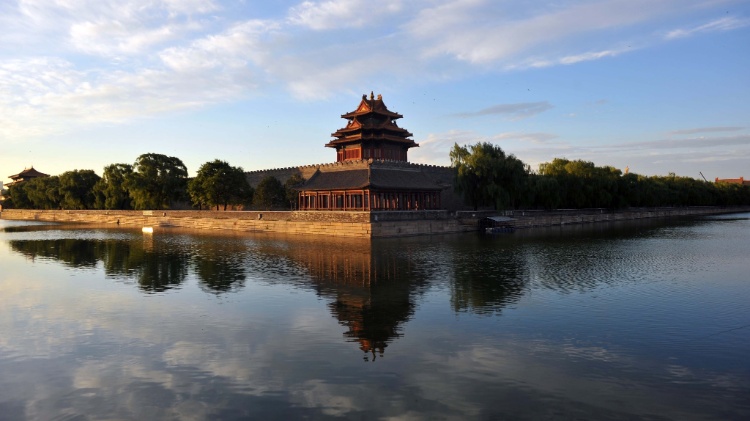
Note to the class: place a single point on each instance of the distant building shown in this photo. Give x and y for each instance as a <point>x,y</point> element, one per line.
<point>26,175</point>
<point>740,180</point>
<point>371,171</point>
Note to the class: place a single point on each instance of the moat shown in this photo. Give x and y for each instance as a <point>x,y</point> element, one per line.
<point>627,320</point>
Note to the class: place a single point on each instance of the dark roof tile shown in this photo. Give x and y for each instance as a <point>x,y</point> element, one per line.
<point>383,178</point>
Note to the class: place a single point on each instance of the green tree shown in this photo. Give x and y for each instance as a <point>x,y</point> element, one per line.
<point>44,192</point>
<point>467,179</point>
<point>157,181</point>
<point>544,191</point>
<point>110,191</point>
<point>76,189</point>
<point>269,194</point>
<point>219,183</point>
<point>583,184</point>
<point>18,197</point>
<point>487,176</point>
<point>290,186</point>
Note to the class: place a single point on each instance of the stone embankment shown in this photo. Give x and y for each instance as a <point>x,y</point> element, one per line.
<point>529,219</point>
<point>338,224</point>
<point>346,224</point>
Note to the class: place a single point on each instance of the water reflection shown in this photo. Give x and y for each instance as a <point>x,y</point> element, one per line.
<point>155,269</point>
<point>485,282</point>
<point>371,291</point>
<point>371,294</point>
<point>71,252</point>
<point>632,324</point>
<point>219,266</point>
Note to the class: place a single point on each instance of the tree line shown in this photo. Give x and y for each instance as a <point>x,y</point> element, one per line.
<point>154,181</point>
<point>484,174</point>
<point>487,177</point>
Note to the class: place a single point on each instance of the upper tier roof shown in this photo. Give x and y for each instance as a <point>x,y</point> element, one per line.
<point>371,105</point>
<point>28,173</point>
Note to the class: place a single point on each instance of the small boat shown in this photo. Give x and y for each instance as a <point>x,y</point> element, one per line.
<point>499,230</point>
<point>148,230</point>
<point>497,224</point>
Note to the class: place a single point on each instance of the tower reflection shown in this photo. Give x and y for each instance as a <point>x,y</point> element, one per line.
<point>371,289</point>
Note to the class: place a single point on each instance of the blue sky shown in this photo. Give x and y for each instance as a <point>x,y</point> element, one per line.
<point>658,86</point>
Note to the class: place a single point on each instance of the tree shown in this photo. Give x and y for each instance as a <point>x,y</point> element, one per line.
<point>44,192</point>
<point>290,187</point>
<point>219,183</point>
<point>467,180</point>
<point>544,191</point>
<point>18,196</point>
<point>157,181</point>
<point>110,191</point>
<point>486,176</point>
<point>269,194</point>
<point>76,189</point>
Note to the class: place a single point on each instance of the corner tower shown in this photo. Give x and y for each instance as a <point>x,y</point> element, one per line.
<point>372,132</point>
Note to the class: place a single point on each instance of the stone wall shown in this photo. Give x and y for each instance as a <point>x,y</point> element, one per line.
<point>346,224</point>
<point>530,219</point>
<point>339,224</point>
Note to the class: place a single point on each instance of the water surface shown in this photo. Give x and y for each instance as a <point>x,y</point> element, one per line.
<point>643,320</point>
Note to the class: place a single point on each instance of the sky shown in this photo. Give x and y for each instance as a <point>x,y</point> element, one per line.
<point>655,86</point>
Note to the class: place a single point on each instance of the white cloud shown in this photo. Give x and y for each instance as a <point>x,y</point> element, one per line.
<point>588,56</point>
<point>44,95</point>
<point>142,57</point>
<point>534,138</point>
<point>517,111</point>
<point>238,46</point>
<point>331,14</point>
<point>189,7</point>
<point>723,24</point>
<point>110,28</point>
<point>465,30</point>
<point>707,130</point>
<point>111,38</point>
<point>695,142</point>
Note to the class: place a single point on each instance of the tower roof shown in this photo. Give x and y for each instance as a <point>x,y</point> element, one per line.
<point>371,105</point>
<point>28,173</point>
<point>371,122</point>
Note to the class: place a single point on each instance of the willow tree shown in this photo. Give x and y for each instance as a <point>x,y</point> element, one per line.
<point>76,189</point>
<point>111,191</point>
<point>43,192</point>
<point>486,176</point>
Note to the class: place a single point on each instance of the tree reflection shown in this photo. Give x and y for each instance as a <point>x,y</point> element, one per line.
<point>485,281</point>
<point>219,265</point>
<point>158,272</point>
<point>71,252</point>
<point>156,268</point>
